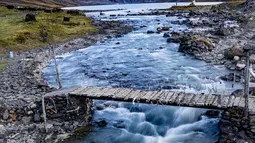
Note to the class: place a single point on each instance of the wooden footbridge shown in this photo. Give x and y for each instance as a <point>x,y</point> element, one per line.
<point>169,97</point>
<point>162,97</point>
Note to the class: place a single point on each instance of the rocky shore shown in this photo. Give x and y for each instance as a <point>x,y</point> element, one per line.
<point>22,87</point>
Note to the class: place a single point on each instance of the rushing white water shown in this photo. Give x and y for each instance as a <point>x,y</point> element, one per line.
<point>143,61</point>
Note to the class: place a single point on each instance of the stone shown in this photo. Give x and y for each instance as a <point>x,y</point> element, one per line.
<point>166,35</point>
<point>37,117</point>
<point>2,129</point>
<point>66,19</point>
<point>232,52</point>
<point>224,31</point>
<point>6,115</point>
<point>101,123</point>
<point>25,120</point>
<point>30,17</point>
<point>236,58</point>
<point>212,113</point>
<point>100,107</point>
<point>30,113</point>
<point>33,106</point>
<point>241,134</point>
<point>150,32</point>
<point>240,65</point>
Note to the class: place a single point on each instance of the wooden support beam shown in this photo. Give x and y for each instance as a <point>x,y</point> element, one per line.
<point>247,82</point>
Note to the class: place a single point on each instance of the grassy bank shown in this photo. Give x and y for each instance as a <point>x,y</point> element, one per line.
<point>19,35</point>
<point>16,34</point>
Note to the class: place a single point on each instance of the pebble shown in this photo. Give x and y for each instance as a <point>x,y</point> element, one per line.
<point>6,115</point>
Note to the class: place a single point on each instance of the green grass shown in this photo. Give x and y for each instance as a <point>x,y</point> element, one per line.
<point>16,34</point>
<point>3,65</point>
<point>186,8</point>
<point>6,12</point>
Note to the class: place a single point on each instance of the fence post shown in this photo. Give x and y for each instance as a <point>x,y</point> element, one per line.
<point>247,80</point>
<point>44,114</point>
<point>56,66</point>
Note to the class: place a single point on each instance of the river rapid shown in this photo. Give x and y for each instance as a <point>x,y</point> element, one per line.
<point>143,61</point>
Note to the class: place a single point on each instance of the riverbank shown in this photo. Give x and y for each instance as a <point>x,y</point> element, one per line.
<point>22,84</point>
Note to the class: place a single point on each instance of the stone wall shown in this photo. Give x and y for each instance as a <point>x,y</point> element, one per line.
<point>57,107</point>
<point>235,127</point>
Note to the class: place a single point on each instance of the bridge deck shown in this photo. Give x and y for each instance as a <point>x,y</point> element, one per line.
<point>163,97</point>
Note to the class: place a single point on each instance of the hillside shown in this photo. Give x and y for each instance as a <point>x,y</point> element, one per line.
<point>39,3</point>
<point>64,3</point>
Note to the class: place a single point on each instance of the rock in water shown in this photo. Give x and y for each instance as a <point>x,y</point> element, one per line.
<point>6,115</point>
<point>101,123</point>
<point>30,17</point>
<point>150,32</point>
<point>212,113</point>
<point>195,44</point>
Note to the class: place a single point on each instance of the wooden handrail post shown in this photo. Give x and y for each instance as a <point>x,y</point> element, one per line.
<point>44,115</point>
<point>247,82</point>
<point>56,66</point>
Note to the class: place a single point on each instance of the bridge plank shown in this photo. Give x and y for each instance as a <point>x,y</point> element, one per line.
<point>241,103</point>
<point>195,99</point>
<point>108,94</point>
<point>76,90</point>
<point>114,94</point>
<point>121,95</point>
<point>216,101</point>
<point>231,101</point>
<point>225,101</point>
<point>187,98</point>
<point>236,101</point>
<point>168,97</point>
<point>156,98</point>
<point>252,105</point>
<point>163,97</point>
<point>183,98</point>
<point>151,97</point>
<point>201,101</point>
<point>103,92</point>
<point>210,100</point>
<point>129,94</point>
<point>213,103</point>
<point>147,96</point>
<point>192,97</point>
<point>173,98</point>
<point>92,91</point>
<point>179,98</point>
<point>97,92</point>
<point>134,94</point>
<point>206,98</point>
<point>142,94</point>
<point>84,91</point>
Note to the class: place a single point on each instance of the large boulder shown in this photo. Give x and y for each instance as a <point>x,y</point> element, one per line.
<point>195,44</point>
<point>175,37</point>
<point>233,51</point>
<point>30,17</point>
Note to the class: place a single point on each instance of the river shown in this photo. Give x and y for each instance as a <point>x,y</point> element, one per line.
<point>143,61</point>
